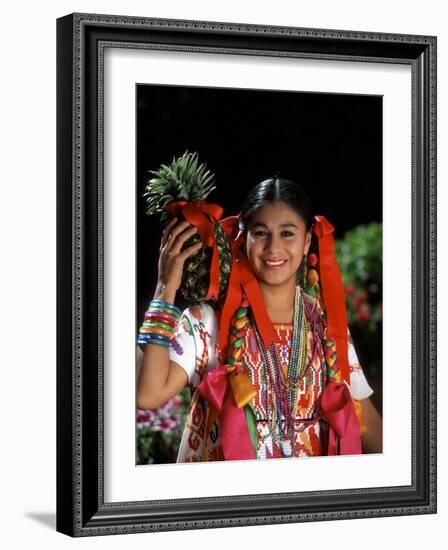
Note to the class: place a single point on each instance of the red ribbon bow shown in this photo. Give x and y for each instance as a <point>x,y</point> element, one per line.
<point>204,216</point>
<point>344,437</point>
<point>235,437</point>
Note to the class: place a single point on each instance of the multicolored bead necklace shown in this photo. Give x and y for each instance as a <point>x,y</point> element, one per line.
<point>281,401</point>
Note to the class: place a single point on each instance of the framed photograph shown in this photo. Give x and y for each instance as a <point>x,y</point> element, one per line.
<point>351,117</point>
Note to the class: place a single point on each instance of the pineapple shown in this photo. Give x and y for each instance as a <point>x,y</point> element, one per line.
<point>185,179</point>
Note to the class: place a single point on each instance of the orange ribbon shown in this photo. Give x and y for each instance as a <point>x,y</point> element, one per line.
<point>333,294</point>
<point>204,216</point>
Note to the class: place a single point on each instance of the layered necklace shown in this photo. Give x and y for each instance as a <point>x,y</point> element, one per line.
<point>282,399</point>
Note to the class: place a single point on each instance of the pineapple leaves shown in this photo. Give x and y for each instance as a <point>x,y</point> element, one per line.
<point>184,179</point>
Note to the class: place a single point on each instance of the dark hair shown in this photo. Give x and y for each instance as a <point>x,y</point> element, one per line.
<point>273,190</point>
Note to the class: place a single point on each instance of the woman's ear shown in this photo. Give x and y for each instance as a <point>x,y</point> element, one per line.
<point>308,241</point>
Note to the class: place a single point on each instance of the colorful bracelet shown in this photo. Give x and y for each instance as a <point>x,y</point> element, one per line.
<point>153,339</point>
<point>164,306</point>
<point>157,324</point>
<point>160,321</point>
<point>157,330</point>
<point>153,315</point>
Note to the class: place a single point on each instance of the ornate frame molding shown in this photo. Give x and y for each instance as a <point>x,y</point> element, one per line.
<point>81,510</point>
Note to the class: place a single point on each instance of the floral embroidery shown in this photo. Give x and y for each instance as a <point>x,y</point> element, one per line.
<point>186,325</point>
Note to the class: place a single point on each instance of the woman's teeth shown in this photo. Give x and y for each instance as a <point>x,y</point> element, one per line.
<point>271,263</point>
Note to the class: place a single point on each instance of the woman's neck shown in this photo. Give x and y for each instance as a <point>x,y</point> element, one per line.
<point>279,302</point>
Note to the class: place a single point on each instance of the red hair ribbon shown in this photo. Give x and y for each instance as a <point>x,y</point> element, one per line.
<point>333,294</point>
<point>242,279</point>
<point>204,216</point>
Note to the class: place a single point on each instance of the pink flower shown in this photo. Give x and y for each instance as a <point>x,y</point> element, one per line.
<point>164,424</point>
<point>144,418</point>
<point>165,417</point>
<point>363,314</point>
<point>176,401</point>
<point>360,298</point>
<point>350,289</point>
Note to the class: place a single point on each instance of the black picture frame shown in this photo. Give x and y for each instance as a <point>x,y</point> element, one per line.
<point>81,509</point>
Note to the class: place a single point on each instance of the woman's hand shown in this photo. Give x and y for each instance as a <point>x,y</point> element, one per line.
<point>172,258</point>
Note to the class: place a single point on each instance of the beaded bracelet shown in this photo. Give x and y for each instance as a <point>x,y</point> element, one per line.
<point>160,320</point>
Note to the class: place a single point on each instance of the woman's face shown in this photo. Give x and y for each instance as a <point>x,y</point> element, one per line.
<point>276,242</point>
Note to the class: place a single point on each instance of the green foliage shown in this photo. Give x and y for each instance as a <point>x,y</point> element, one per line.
<point>359,255</point>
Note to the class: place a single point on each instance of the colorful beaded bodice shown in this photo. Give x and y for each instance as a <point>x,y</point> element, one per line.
<point>310,378</point>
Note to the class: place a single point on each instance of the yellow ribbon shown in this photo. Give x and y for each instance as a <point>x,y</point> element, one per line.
<point>242,388</point>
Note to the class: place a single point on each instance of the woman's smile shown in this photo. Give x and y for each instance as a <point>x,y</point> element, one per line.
<point>274,264</point>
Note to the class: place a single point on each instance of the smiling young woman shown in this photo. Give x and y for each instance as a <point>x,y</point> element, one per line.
<point>277,241</point>
<point>283,399</point>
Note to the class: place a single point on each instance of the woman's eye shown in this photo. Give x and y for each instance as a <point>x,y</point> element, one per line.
<point>261,233</point>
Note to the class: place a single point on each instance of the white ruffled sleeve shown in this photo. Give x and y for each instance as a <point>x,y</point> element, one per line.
<point>359,387</point>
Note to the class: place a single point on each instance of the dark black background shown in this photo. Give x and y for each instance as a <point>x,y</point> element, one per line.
<point>330,143</point>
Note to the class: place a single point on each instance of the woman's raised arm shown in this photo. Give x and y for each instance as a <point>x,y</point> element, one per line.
<point>161,379</point>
